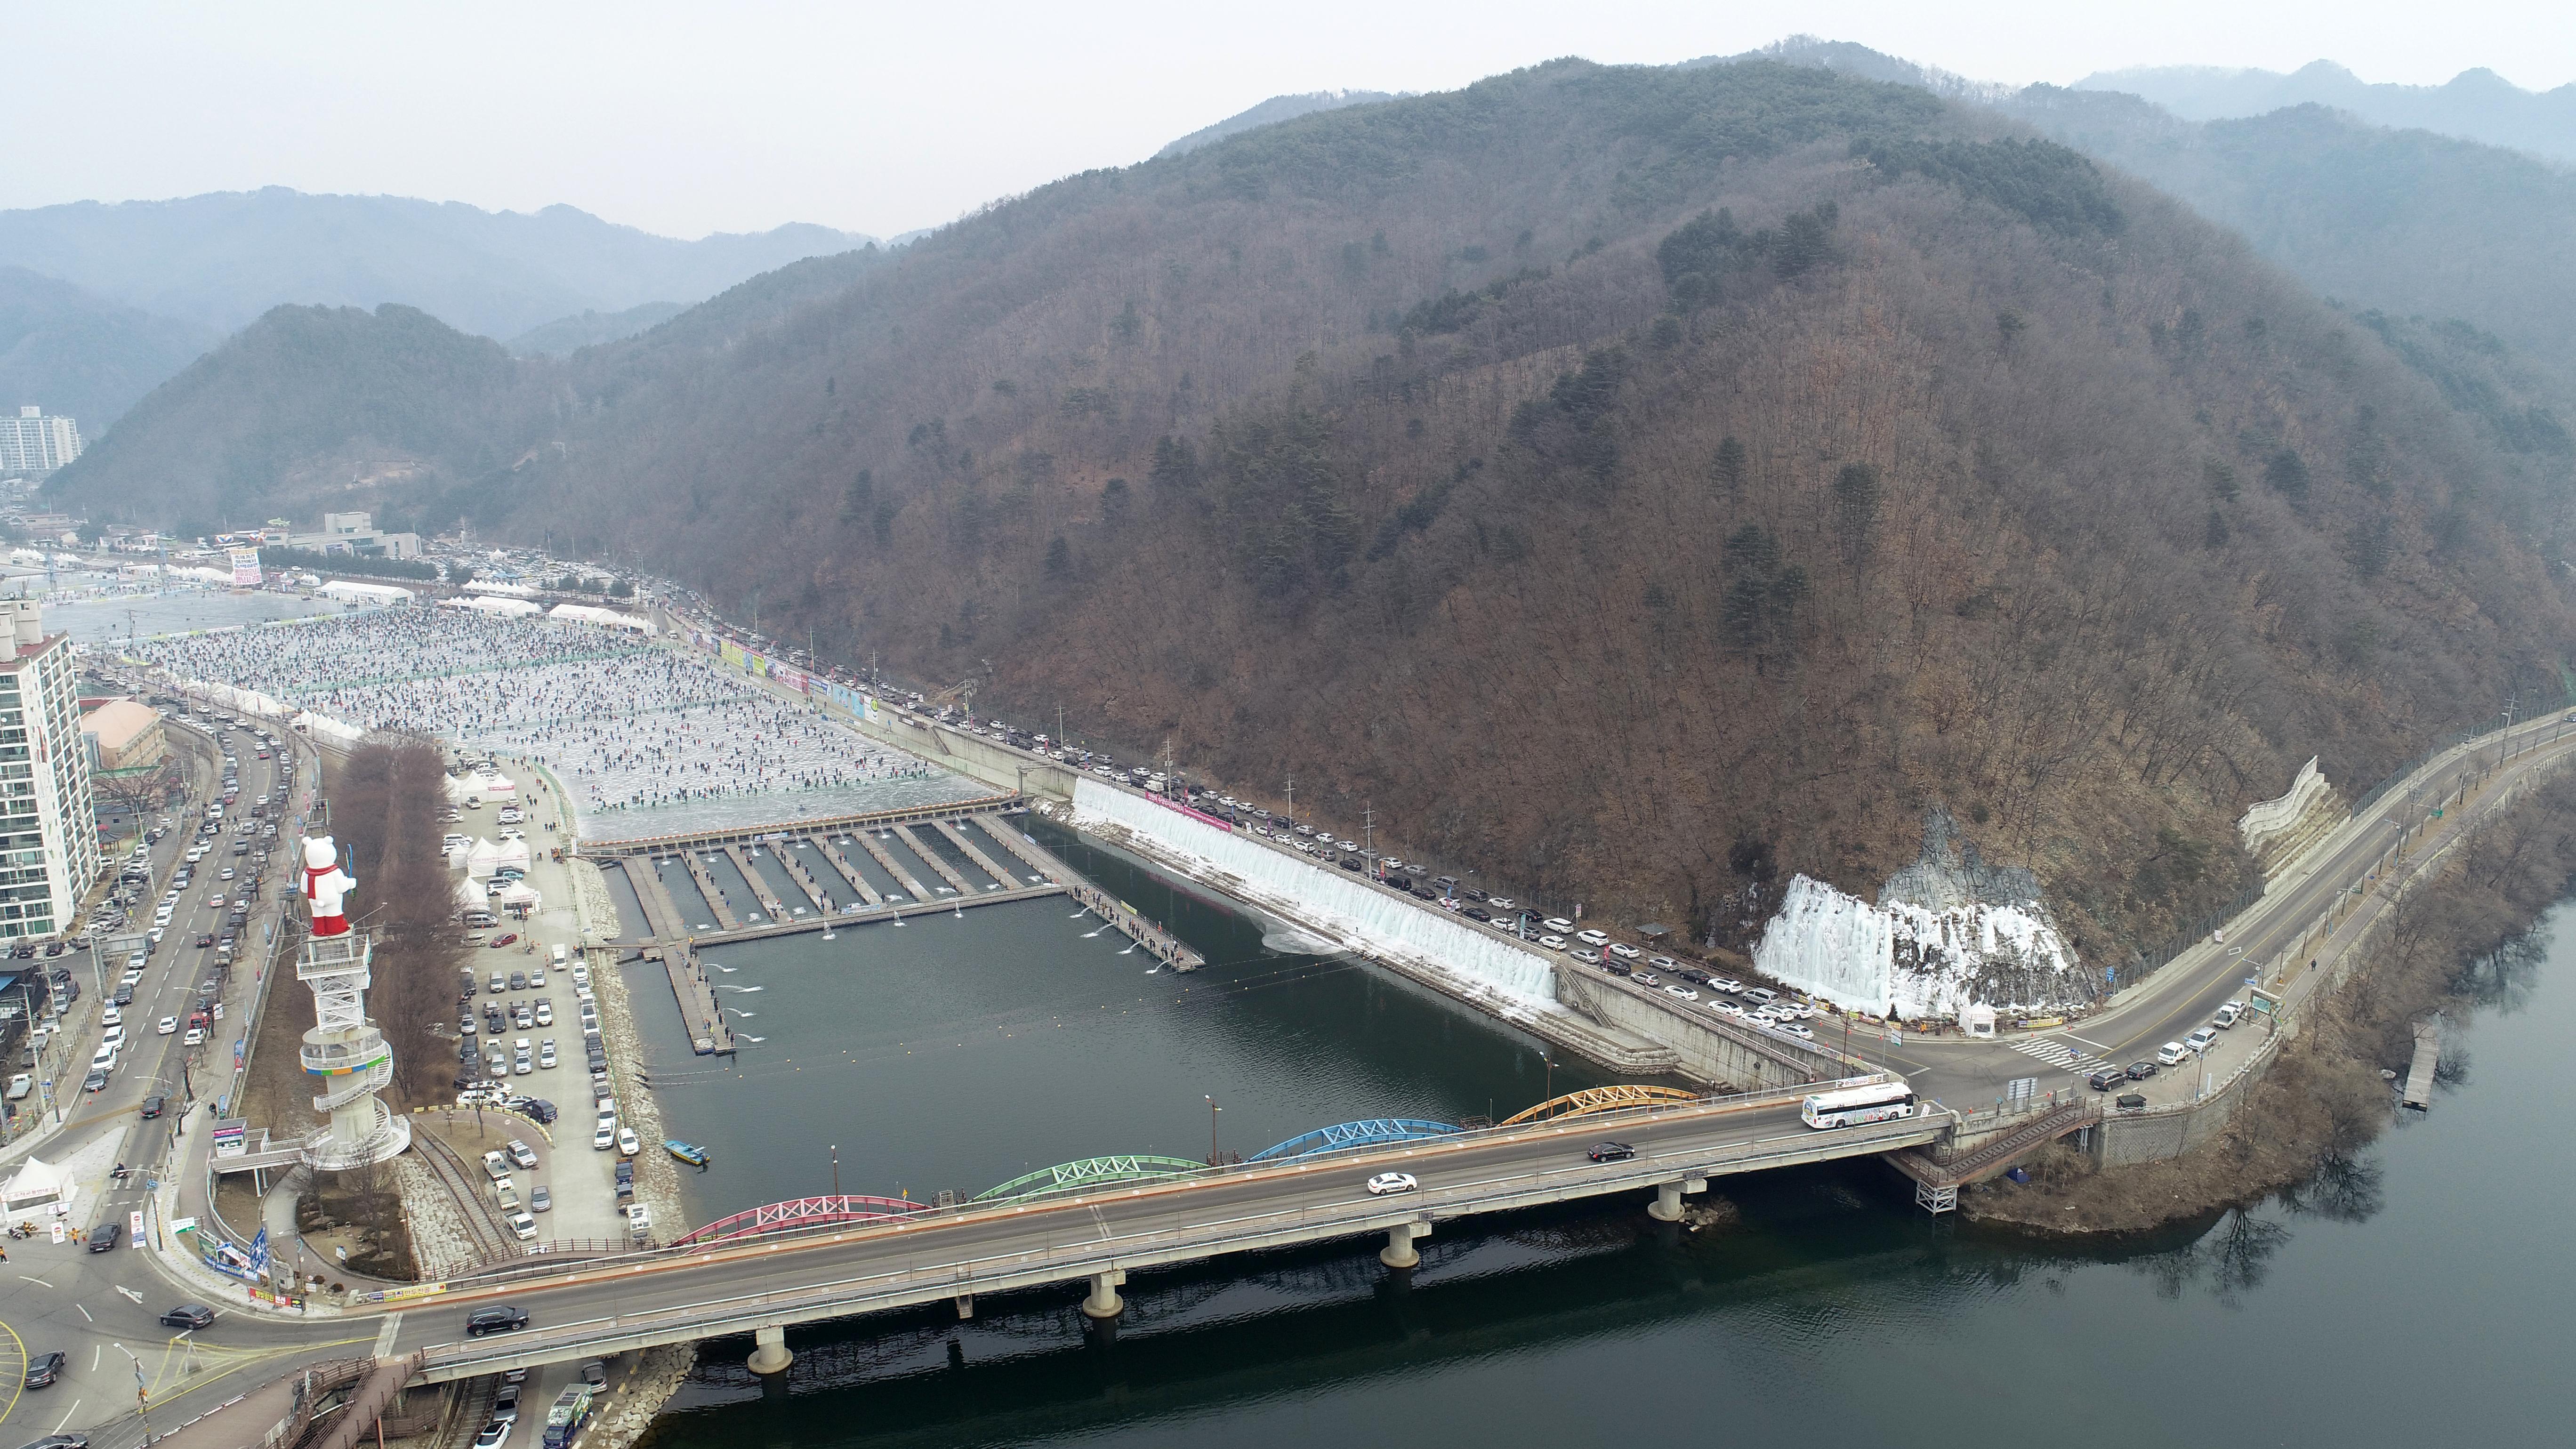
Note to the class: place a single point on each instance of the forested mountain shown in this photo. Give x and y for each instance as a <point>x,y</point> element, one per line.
<point>221,259</point>
<point>2478,105</point>
<point>571,334</point>
<point>1648,481</point>
<point>2403,221</point>
<point>69,351</point>
<point>1270,113</point>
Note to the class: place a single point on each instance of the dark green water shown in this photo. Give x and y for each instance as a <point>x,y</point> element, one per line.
<point>2414,1296</point>
<point>958,1051</point>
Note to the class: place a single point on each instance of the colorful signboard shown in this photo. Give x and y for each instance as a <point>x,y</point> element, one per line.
<point>245,561</point>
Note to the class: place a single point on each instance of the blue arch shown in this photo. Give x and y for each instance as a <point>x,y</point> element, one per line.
<point>1370,1132</point>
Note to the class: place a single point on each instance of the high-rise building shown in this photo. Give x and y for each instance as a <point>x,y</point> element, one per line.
<point>48,828</point>
<point>32,444</point>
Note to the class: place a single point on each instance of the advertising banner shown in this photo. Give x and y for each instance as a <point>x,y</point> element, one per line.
<point>795,679</point>
<point>729,652</point>
<point>246,572</point>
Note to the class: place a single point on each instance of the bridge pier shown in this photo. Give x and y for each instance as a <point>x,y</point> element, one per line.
<point>965,1306</point>
<point>1667,1206</point>
<point>1104,1301</point>
<point>769,1353</point>
<point>1398,1252</point>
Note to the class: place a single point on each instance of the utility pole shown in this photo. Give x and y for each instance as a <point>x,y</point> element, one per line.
<point>1292,794</point>
<point>1213,1109</point>
<point>836,1171</point>
<point>1368,837</point>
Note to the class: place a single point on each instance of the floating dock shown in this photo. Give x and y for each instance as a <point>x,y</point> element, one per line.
<point>1022,870</point>
<point>2419,1074</point>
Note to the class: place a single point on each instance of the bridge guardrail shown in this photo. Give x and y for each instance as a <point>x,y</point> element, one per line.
<point>517,1271</point>
<point>1001,1272</point>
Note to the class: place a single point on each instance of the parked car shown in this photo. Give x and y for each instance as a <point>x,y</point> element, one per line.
<point>2171,1054</point>
<point>2106,1078</point>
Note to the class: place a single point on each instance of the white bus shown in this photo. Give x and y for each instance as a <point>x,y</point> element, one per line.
<point>1880,1102</point>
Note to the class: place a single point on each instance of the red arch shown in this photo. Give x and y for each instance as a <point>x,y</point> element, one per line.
<point>801,1212</point>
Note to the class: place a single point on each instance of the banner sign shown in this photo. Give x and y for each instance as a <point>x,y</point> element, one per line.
<point>729,652</point>
<point>246,574</point>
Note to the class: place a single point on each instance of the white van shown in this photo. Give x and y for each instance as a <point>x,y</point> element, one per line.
<point>561,955</point>
<point>479,919</point>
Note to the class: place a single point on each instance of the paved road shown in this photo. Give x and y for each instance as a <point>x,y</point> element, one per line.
<point>2182,997</point>
<point>99,1308</point>
<point>687,1294</point>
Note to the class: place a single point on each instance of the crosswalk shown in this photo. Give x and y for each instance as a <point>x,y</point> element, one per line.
<point>2058,1054</point>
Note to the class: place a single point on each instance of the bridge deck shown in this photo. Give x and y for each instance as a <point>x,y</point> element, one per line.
<point>676,1295</point>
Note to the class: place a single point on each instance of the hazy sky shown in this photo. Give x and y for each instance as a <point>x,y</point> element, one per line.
<point>686,119</point>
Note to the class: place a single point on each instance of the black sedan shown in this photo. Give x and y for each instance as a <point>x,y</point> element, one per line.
<point>105,1236</point>
<point>1611,1152</point>
<point>44,1370</point>
<point>188,1315</point>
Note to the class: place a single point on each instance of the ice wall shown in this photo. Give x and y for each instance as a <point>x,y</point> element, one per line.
<point>1921,961</point>
<point>1320,899</point>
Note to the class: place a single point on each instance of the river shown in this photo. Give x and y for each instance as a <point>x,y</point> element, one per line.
<point>2414,1295</point>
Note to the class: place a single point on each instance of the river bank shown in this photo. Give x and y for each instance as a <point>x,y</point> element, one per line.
<point>2326,1099</point>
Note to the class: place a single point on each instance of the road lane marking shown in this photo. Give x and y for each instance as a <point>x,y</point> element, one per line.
<point>67,1415</point>
<point>20,1391</point>
<point>39,1282</point>
<point>385,1335</point>
<point>84,1312</point>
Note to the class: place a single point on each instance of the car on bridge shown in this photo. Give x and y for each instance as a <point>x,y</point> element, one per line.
<point>1388,1183</point>
<point>488,1320</point>
<point>1610,1152</point>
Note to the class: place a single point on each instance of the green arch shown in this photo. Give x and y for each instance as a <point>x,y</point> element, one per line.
<point>1089,1172</point>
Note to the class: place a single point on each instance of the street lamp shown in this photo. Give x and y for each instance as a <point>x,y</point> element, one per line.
<point>1213,1109</point>
<point>836,1170</point>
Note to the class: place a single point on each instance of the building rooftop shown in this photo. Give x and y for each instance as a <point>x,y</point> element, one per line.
<point>118,723</point>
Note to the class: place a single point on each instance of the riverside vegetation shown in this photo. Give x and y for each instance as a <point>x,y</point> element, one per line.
<point>1642,482</point>
<point>2303,1128</point>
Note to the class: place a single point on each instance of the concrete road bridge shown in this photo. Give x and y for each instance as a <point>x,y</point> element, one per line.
<point>1094,1222</point>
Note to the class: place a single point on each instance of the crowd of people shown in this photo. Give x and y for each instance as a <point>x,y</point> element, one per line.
<point>623,724</point>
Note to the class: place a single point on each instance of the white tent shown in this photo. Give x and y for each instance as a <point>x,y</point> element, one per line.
<point>586,614</point>
<point>516,591</point>
<point>326,727</point>
<point>240,701</point>
<point>37,1183</point>
<point>495,787</point>
<point>358,593</point>
<point>469,896</point>
<point>488,858</point>
<point>506,608</point>
<point>519,894</point>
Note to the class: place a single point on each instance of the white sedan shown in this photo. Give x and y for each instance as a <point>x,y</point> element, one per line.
<point>1684,992</point>
<point>169,1026</point>
<point>627,1144</point>
<point>1386,1183</point>
<point>1626,952</point>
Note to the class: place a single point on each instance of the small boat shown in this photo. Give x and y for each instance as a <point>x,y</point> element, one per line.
<point>694,1156</point>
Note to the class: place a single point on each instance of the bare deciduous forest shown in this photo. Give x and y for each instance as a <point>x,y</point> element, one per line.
<point>1638,483</point>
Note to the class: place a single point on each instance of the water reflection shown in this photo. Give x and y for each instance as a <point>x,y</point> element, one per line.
<point>1830,1308</point>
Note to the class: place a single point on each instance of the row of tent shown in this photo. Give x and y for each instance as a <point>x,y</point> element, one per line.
<point>515,608</point>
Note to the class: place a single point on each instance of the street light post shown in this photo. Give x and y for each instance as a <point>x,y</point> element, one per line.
<point>836,1170</point>
<point>1213,1109</point>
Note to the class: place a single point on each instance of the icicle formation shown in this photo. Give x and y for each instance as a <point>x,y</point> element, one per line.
<point>1950,931</point>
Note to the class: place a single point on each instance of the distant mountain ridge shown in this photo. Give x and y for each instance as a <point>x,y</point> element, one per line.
<point>566,335</point>
<point>73,352</point>
<point>1270,113</point>
<point>2478,105</point>
<point>221,259</point>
